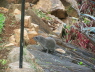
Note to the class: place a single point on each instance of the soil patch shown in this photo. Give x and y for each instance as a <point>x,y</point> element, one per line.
<point>9,25</point>
<point>3,56</point>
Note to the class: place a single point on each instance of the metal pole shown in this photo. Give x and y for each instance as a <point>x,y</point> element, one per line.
<point>22,35</point>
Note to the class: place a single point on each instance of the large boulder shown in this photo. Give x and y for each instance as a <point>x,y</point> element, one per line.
<point>36,20</point>
<point>17,36</point>
<point>29,64</point>
<point>60,9</point>
<point>13,56</point>
<point>71,7</point>
<point>54,7</point>
<point>14,67</point>
<point>60,61</point>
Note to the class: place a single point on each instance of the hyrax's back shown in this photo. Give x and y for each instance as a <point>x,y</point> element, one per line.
<point>50,43</point>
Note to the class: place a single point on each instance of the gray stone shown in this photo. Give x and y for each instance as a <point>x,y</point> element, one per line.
<point>35,19</point>
<point>71,7</point>
<point>54,7</point>
<point>14,67</point>
<point>29,64</point>
<point>54,62</point>
<point>14,55</point>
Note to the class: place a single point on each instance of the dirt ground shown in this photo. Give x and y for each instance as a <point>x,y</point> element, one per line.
<point>9,25</point>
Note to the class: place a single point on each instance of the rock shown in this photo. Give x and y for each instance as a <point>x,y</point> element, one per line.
<point>3,10</point>
<point>57,62</point>
<point>36,20</point>
<point>16,12</point>
<point>27,21</point>
<point>18,17</point>
<point>32,34</point>
<point>71,7</point>
<point>27,5</point>
<point>70,20</point>
<point>54,7</point>
<point>12,39</point>
<point>42,33</point>
<point>44,5</point>
<point>56,19</point>
<point>59,13</point>
<point>14,67</point>
<point>58,9</point>
<point>12,7</point>
<point>17,36</point>
<point>13,56</point>
<point>78,53</point>
<point>59,27</point>
<point>58,30</point>
<point>9,45</point>
<point>30,29</point>
<point>67,20</point>
<point>29,64</point>
<point>60,50</point>
<point>35,26</point>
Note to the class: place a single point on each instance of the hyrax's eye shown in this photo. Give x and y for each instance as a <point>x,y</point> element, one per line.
<point>36,37</point>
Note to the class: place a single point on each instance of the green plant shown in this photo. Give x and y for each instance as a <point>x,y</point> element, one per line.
<point>2,19</point>
<point>0,39</point>
<point>80,63</point>
<point>41,14</point>
<point>86,21</point>
<point>12,23</point>
<point>93,58</point>
<point>49,62</point>
<point>3,61</point>
<point>74,49</point>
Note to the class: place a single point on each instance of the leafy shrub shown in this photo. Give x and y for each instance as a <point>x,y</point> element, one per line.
<point>2,19</point>
<point>86,24</point>
<point>87,6</point>
<point>3,61</point>
<point>78,38</point>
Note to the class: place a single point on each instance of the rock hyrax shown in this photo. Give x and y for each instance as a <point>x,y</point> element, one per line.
<point>47,43</point>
